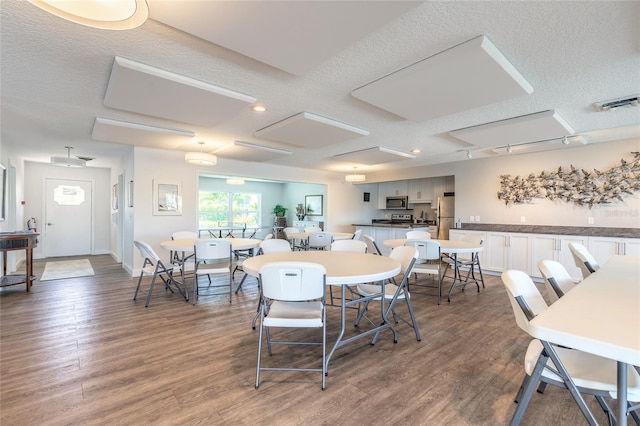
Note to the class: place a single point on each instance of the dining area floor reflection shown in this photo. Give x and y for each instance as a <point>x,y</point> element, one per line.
<point>81,351</point>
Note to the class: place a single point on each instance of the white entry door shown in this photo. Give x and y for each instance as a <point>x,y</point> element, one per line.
<point>68,213</point>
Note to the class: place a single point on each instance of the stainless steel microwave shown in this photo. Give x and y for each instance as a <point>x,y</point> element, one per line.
<point>397,203</point>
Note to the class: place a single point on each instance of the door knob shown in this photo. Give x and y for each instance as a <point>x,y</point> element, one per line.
<point>49,223</point>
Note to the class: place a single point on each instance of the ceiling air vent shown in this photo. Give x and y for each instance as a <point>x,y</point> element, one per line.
<point>627,101</point>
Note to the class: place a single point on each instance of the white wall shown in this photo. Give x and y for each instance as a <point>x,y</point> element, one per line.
<point>477,183</point>
<point>343,202</point>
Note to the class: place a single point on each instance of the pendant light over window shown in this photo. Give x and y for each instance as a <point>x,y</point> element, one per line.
<point>200,158</point>
<point>355,177</point>
<point>106,15</point>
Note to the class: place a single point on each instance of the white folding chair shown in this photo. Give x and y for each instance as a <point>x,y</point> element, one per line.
<point>212,257</point>
<point>293,297</point>
<point>394,291</point>
<point>430,257</point>
<point>352,246</point>
<point>154,267</point>
<point>578,371</point>
<point>319,240</point>
<point>310,229</point>
<point>418,235</point>
<point>583,259</point>
<point>357,235</point>
<point>556,279</point>
<point>267,247</point>
<point>372,247</point>
<point>288,231</point>
<point>182,235</point>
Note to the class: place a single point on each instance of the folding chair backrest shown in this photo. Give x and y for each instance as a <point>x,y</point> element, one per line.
<point>290,230</point>
<point>320,239</point>
<point>583,259</point>
<point>310,229</point>
<point>357,235</point>
<point>268,237</point>
<point>184,235</point>
<point>526,300</point>
<point>418,235</point>
<point>212,249</point>
<point>146,251</point>
<point>427,249</point>
<point>406,255</point>
<point>372,247</point>
<point>275,246</point>
<point>293,281</point>
<point>556,278</point>
<point>353,246</point>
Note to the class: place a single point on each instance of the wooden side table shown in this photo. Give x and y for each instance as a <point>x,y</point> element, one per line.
<point>10,241</point>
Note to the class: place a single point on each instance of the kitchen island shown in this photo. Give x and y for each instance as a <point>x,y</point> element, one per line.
<point>388,231</point>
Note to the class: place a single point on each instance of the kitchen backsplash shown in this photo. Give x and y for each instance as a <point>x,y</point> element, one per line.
<point>428,213</point>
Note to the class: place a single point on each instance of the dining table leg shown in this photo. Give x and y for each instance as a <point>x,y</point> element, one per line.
<point>622,394</point>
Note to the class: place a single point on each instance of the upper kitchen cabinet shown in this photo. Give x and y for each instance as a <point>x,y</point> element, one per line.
<point>420,190</point>
<point>443,184</point>
<point>390,189</point>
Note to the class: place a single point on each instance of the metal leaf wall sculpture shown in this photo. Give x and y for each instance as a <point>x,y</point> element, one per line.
<point>577,186</point>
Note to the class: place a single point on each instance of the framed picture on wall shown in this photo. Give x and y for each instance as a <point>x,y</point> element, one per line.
<point>167,198</point>
<point>313,205</point>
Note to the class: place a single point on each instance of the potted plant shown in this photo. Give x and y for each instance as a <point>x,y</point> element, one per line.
<point>279,210</point>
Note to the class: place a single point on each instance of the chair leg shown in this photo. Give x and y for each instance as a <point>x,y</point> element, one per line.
<point>413,317</point>
<point>135,295</point>
<point>153,281</point>
<point>261,313</point>
<point>528,390</point>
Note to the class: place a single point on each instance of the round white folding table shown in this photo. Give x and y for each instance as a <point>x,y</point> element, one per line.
<point>343,269</point>
<point>187,246</point>
<point>451,248</point>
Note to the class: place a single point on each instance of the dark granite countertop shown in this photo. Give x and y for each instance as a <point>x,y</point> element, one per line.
<point>589,231</point>
<point>393,225</point>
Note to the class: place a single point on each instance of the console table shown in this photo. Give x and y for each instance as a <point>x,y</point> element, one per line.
<point>18,241</point>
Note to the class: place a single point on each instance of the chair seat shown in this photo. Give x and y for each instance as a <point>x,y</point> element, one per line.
<point>151,269</point>
<point>213,268</point>
<point>426,268</point>
<point>587,370</point>
<point>371,289</point>
<point>294,314</point>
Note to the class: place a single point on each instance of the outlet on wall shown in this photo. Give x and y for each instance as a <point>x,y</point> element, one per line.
<point>523,219</point>
<point>590,221</point>
<point>470,218</point>
<point>477,218</point>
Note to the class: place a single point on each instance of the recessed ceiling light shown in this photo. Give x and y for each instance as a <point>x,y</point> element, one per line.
<point>258,108</point>
<point>415,151</point>
<point>107,15</point>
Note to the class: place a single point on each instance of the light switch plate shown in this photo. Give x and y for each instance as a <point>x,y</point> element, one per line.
<point>477,218</point>
<point>470,218</point>
<point>523,219</point>
<point>590,221</point>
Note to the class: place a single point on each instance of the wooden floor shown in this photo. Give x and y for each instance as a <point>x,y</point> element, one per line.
<point>80,351</point>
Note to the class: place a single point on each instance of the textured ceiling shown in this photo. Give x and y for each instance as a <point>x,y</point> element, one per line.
<point>54,74</point>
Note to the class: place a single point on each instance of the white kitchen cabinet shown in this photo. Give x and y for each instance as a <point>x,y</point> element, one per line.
<point>391,189</point>
<point>420,190</point>
<point>438,186</point>
<point>554,247</point>
<point>507,251</point>
<point>602,248</point>
<point>449,184</point>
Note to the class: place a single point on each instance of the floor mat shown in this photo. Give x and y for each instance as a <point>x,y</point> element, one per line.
<point>67,269</point>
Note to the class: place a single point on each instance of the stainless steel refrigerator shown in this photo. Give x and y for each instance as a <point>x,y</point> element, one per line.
<point>445,220</point>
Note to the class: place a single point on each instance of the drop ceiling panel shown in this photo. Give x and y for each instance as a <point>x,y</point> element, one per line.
<point>310,131</point>
<point>527,128</point>
<point>151,91</point>
<point>288,35</point>
<point>246,151</point>
<point>469,75</point>
<point>106,129</point>
<point>376,155</point>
